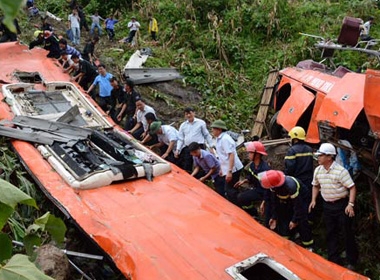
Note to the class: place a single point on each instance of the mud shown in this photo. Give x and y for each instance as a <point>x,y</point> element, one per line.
<point>53,262</point>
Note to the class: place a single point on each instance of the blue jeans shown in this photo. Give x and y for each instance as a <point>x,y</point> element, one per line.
<point>93,25</point>
<point>76,35</point>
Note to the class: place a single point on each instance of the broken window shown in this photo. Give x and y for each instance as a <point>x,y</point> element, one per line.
<point>29,77</point>
<point>260,267</point>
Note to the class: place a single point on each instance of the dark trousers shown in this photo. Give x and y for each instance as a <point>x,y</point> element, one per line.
<point>247,198</point>
<point>86,81</point>
<point>114,113</point>
<point>170,157</point>
<point>36,42</point>
<point>129,122</point>
<point>153,35</point>
<point>138,133</point>
<point>11,37</point>
<point>231,192</point>
<point>130,37</point>
<point>104,102</point>
<point>337,222</point>
<point>219,183</point>
<point>111,33</point>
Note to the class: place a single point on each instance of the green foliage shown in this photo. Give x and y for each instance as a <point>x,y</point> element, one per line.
<point>53,225</point>
<point>19,267</point>
<point>10,9</point>
<point>6,247</point>
<point>9,198</point>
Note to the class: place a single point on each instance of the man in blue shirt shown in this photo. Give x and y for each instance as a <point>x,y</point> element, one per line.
<point>210,167</point>
<point>110,27</point>
<point>105,88</point>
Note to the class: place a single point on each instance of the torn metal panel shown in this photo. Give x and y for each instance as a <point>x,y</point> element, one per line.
<point>56,128</point>
<point>151,75</point>
<point>35,137</point>
<point>70,115</point>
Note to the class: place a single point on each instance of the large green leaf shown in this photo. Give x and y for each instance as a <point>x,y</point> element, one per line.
<point>56,228</point>
<point>6,247</point>
<point>5,212</point>
<point>10,195</point>
<point>10,9</point>
<point>53,225</point>
<point>19,267</point>
<point>39,223</point>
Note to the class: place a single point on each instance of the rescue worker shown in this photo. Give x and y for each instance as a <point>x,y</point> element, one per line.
<point>38,39</point>
<point>338,191</point>
<point>255,193</point>
<point>299,158</point>
<point>51,44</point>
<point>289,205</point>
<point>299,162</point>
<point>230,164</point>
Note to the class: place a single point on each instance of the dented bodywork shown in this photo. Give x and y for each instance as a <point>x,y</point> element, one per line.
<point>339,100</point>
<point>333,105</point>
<point>174,227</point>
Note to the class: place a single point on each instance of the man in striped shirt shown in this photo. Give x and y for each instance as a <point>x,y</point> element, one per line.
<point>338,192</point>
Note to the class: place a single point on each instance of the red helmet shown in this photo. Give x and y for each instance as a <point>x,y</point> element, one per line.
<point>272,178</point>
<point>256,147</point>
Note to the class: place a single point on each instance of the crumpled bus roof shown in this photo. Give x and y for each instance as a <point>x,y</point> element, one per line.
<point>341,103</point>
<point>172,228</point>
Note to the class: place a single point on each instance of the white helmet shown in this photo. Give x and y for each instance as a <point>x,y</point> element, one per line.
<point>326,149</point>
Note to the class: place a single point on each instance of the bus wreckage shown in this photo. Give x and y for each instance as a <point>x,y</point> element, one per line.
<point>168,227</point>
<point>335,104</point>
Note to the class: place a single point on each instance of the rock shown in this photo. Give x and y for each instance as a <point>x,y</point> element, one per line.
<point>53,262</point>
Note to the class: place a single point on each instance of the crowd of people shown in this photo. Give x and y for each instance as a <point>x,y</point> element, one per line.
<point>285,199</point>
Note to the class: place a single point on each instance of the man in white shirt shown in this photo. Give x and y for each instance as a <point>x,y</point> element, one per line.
<point>167,139</point>
<point>365,28</point>
<point>230,164</point>
<point>191,130</point>
<point>74,25</point>
<point>141,128</point>
<point>133,26</point>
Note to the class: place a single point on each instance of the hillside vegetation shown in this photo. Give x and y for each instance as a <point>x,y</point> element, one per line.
<point>225,49</point>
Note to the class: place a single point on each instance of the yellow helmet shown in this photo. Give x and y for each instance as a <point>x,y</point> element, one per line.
<point>37,33</point>
<point>297,132</point>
